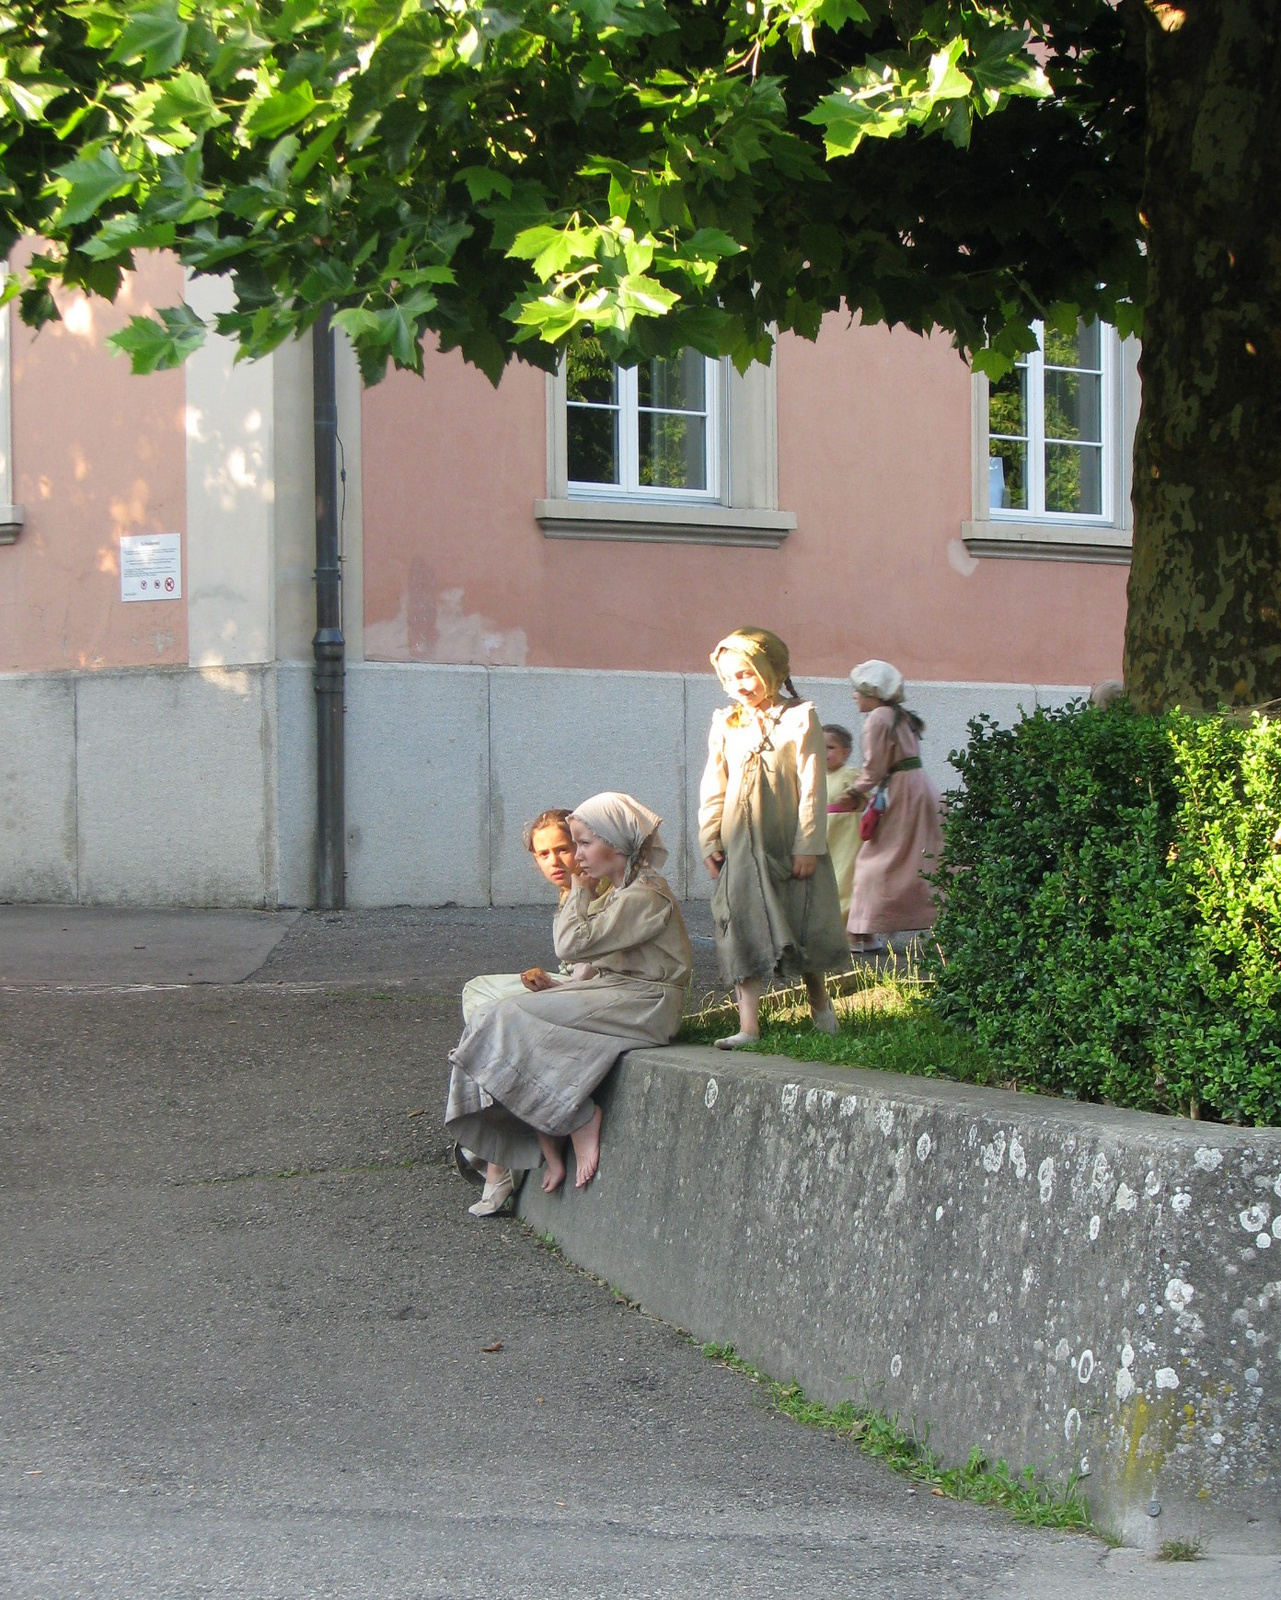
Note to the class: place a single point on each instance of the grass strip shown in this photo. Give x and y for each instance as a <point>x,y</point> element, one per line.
<point>886,1022</point>
<point>1027,1497</point>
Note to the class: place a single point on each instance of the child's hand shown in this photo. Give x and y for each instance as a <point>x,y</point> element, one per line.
<point>714,863</point>
<point>536,980</point>
<point>803,866</point>
<point>583,969</point>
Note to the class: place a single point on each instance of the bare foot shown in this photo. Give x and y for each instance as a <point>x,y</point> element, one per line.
<point>554,1162</point>
<point>586,1142</point>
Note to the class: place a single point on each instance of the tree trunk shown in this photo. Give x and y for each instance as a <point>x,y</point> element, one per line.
<point>1204,623</point>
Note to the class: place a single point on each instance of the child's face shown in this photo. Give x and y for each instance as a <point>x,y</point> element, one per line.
<point>553,853</point>
<point>740,680</point>
<point>837,753</point>
<point>595,858</point>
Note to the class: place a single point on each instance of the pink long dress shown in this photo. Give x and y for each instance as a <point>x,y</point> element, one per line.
<point>890,892</point>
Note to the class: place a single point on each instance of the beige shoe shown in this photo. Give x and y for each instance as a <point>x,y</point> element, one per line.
<point>494,1197</point>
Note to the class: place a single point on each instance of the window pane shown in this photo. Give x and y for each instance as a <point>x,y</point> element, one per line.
<point>1074,479</point>
<point>1007,405</point>
<point>674,383</point>
<point>1079,349</point>
<point>590,374</point>
<point>592,444</point>
<point>673,451</point>
<point>1072,406</point>
<point>1007,475</point>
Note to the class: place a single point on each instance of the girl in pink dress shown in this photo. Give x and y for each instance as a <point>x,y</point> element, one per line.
<point>890,893</point>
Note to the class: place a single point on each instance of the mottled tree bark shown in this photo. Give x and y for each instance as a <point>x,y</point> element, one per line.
<point>1204,623</point>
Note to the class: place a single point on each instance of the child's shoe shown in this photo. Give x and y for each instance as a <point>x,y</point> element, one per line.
<point>494,1197</point>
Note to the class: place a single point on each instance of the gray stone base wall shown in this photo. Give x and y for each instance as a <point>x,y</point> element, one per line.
<point>1086,1291</point>
<point>196,786</point>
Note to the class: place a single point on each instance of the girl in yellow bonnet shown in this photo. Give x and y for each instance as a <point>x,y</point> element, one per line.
<point>762,830</point>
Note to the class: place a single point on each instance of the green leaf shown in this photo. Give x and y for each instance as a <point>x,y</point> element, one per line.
<point>119,235</point>
<point>156,36</point>
<point>314,150</point>
<point>483,183</point>
<point>166,340</point>
<point>29,99</point>
<point>185,98</point>
<point>280,111</point>
<point>90,182</point>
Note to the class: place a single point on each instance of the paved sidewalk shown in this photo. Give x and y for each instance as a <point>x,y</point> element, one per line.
<point>96,946</point>
<point>252,1347</point>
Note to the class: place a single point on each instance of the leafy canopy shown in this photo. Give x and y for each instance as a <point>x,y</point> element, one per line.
<point>660,173</point>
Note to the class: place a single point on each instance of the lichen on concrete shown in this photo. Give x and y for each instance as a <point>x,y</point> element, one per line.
<point>1089,1291</point>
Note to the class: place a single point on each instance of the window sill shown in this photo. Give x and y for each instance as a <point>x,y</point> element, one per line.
<point>662,523</point>
<point>1047,541</point>
<point>10,523</point>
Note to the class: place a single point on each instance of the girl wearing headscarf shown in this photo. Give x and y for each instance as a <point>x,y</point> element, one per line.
<point>762,831</point>
<point>890,894</point>
<point>525,1067</point>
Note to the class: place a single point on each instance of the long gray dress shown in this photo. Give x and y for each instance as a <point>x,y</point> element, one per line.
<point>763,800</point>
<point>528,1064</point>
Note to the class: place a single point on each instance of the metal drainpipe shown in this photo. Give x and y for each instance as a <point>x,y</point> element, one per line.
<point>328,645</point>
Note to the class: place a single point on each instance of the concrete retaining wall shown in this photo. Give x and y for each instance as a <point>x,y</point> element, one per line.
<point>196,786</point>
<point>1071,1287</point>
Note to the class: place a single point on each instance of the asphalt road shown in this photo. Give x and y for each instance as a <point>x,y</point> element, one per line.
<point>251,1345</point>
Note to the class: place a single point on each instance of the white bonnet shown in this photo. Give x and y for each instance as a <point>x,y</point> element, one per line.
<point>880,679</point>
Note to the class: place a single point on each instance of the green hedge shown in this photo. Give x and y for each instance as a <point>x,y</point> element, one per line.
<point>1111,923</point>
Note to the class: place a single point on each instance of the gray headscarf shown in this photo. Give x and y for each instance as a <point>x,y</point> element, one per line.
<point>626,826</point>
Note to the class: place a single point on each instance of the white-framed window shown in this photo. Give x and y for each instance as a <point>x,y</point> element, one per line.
<point>652,430</point>
<point>678,448</point>
<point>1052,449</point>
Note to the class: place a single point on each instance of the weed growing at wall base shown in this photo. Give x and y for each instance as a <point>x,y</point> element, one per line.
<point>1027,1497</point>
<point>1180,1550</point>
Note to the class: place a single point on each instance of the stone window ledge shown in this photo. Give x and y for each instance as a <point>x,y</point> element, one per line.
<point>663,523</point>
<point>1047,541</point>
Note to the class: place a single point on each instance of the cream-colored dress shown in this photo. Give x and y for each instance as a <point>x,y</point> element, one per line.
<point>528,1064</point>
<point>487,987</point>
<point>890,892</point>
<point>763,800</point>
<point>842,831</point>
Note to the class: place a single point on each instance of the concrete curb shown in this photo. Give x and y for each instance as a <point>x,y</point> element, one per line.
<point>1085,1290</point>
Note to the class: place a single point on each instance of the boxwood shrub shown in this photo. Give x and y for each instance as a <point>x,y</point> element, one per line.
<point>1111,920</point>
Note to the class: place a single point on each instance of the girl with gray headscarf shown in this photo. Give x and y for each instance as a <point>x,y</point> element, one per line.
<point>526,1066</point>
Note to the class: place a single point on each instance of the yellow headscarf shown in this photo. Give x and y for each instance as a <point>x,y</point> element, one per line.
<point>764,652</point>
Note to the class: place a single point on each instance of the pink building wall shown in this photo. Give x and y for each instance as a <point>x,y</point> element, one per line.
<point>874,458</point>
<point>97,453</point>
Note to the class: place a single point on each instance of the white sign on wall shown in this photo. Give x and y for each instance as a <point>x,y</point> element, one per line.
<point>151,566</point>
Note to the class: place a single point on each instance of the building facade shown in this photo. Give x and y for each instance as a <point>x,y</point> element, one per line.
<point>533,578</point>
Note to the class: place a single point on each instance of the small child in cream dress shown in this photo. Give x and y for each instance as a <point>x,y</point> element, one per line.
<point>843,806</point>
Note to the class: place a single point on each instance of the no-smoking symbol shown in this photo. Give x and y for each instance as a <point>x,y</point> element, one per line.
<point>169,585</point>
